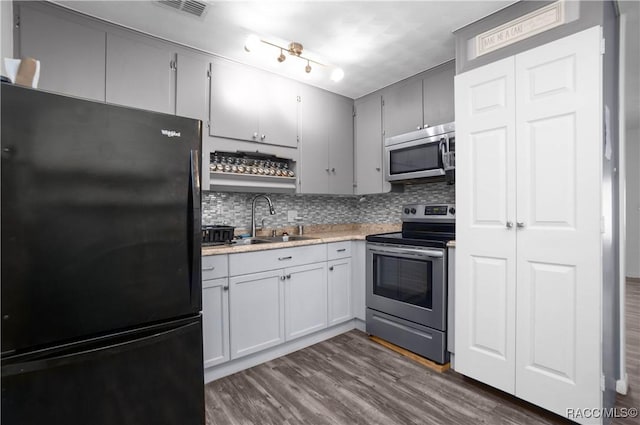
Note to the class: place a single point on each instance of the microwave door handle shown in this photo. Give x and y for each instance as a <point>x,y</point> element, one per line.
<point>443,148</point>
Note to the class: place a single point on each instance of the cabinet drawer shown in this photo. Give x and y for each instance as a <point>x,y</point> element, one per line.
<point>214,266</point>
<point>252,262</point>
<point>337,250</point>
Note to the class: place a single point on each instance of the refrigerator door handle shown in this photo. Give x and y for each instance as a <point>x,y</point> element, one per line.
<point>195,230</point>
<point>58,360</point>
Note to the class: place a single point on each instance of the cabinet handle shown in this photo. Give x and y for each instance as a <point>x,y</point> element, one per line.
<point>377,168</point>
<point>326,169</point>
<point>341,250</point>
<point>284,258</point>
<point>419,127</point>
<point>288,276</point>
<point>282,278</point>
<point>333,170</point>
<point>225,288</point>
<point>426,125</point>
<point>520,224</point>
<point>208,268</point>
<point>509,224</point>
<point>262,137</point>
<point>255,135</point>
<point>331,268</point>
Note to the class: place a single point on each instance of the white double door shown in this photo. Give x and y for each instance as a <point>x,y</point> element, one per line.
<point>528,195</point>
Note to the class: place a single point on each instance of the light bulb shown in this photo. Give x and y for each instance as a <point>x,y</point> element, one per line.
<point>337,74</point>
<point>251,43</point>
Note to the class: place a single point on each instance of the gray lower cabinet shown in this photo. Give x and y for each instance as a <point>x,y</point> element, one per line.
<point>71,54</point>
<point>358,284</point>
<point>256,303</point>
<point>140,73</point>
<point>253,105</point>
<point>368,145</point>
<point>215,321</point>
<point>339,290</point>
<point>305,299</point>
<point>326,142</point>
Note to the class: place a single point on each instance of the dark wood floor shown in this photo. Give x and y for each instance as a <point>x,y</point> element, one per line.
<point>351,380</point>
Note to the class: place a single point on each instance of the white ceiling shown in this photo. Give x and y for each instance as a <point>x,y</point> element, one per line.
<point>376,43</point>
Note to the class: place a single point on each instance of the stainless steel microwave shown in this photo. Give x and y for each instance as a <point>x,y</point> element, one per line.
<point>423,153</point>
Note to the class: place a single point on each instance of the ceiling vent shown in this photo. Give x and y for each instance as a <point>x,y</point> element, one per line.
<point>192,7</point>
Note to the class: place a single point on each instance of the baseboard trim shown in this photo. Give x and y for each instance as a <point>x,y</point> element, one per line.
<point>237,365</point>
<point>622,385</point>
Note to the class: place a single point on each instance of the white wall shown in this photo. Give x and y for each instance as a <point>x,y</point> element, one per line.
<point>6,30</point>
<point>630,49</point>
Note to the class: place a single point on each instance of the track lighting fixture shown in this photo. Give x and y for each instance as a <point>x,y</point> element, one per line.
<point>294,49</point>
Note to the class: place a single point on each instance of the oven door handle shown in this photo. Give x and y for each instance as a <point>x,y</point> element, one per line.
<point>413,252</point>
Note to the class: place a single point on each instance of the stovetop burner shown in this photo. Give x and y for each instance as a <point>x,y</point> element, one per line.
<point>429,225</point>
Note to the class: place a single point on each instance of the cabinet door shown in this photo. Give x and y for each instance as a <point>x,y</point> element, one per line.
<point>278,113</point>
<point>192,86</point>
<point>485,225</point>
<point>71,55</point>
<point>215,321</point>
<point>438,95</point>
<point>341,146</point>
<point>559,159</point>
<point>234,101</point>
<point>368,149</point>
<point>256,303</point>
<point>314,137</point>
<point>139,74</point>
<point>306,299</point>
<point>403,108</point>
<point>358,277</point>
<point>339,282</point>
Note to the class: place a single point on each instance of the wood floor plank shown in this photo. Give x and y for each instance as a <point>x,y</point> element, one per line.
<point>351,380</point>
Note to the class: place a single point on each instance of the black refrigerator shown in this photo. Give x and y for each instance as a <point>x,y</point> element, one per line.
<point>101,281</point>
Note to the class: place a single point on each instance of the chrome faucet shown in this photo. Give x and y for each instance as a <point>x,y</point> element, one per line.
<point>272,211</point>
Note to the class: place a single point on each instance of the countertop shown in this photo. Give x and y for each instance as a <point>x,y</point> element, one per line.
<point>321,233</point>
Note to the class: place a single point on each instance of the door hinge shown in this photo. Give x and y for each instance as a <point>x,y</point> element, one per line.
<point>173,65</point>
<point>17,21</point>
<point>384,132</point>
<point>353,112</point>
<point>209,73</point>
<point>382,102</point>
<point>208,124</point>
<point>602,383</point>
<point>355,185</point>
<point>602,46</point>
<point>602,225</point>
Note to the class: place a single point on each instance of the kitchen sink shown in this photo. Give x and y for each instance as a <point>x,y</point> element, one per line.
<point>250,241</point>
<point>291,238</point>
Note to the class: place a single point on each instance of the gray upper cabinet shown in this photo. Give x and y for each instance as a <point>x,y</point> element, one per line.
<point>368,145</point>
<point>192,85</point>
<point>421,101</point>
<point>403,108</point>
<point>71,55</point>
<point>140,73</point>
<point>341,146</point>
<point>326,142</point>
<point>248,104</point>
<point>438,95</point>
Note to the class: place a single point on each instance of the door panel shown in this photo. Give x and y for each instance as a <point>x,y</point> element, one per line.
<point>314,150</point>
<point>339,290</point>
<point>256,304</point>
<point>278,116</point>
<point>191,86</point>
<point>305,299</point>
<point>403,108</point>
<point>368,146</point>
<point>150,376</point>
<point>215,321</point>
<point>139,74</point>
<point>485,198</point>
<point>559,203</point>
<point>341,147</point>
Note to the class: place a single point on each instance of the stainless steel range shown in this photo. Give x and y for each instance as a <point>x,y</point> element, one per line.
<point>407,281</point>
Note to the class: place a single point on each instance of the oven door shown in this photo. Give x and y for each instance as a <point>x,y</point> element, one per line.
<point>407,282</point>
<point>415,159</point>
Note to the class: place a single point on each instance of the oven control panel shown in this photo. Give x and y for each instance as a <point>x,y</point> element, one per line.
<point>428,212</point>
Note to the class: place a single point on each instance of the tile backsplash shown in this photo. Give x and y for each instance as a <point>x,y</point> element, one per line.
<point>235,208</point>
